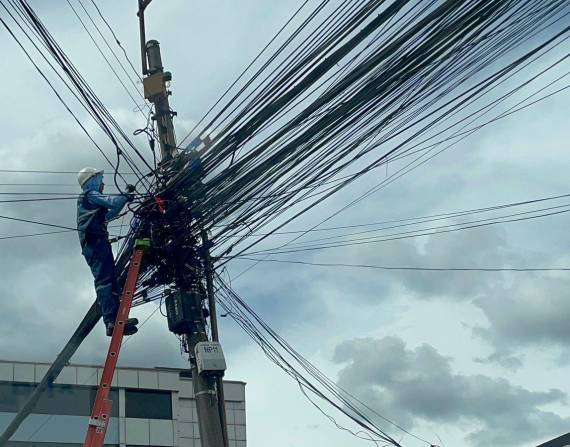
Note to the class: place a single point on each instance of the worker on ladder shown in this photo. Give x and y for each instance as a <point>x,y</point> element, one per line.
<point>94,210</point>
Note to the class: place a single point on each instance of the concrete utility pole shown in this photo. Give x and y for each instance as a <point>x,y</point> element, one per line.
<point>184,304</point>
<point>155,91</point>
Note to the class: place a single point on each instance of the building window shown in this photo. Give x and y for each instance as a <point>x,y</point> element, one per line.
<point>47,444</point>
<point>69,400</point>
<point>148,404</point>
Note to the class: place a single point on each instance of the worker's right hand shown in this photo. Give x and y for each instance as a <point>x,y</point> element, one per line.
<point>131,188</point>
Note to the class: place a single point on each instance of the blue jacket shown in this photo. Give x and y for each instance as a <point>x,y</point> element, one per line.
<point>95,209</point>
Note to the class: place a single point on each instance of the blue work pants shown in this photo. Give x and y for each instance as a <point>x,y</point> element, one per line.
<point>99,256</point>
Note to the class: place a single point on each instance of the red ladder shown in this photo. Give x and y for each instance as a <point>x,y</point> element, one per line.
<point>101,413</point>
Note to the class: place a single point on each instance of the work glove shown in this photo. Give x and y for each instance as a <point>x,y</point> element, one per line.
<point>130,188</point>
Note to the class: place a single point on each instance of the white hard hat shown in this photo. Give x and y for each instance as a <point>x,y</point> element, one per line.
<point>86,173</point>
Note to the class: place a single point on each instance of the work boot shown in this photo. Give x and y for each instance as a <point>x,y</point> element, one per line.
<point>130,327</point>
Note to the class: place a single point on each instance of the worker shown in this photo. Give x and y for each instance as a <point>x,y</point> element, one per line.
<point>94,210</point>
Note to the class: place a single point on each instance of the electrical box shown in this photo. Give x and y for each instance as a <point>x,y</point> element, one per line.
<point>182,309</point>
<point>153,85</point>
<point>210,358</point>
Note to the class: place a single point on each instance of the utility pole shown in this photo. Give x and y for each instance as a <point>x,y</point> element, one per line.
<point>184,304</point>
<point>155,90</point>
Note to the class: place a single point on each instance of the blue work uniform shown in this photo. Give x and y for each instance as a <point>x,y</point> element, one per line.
<point>94,210</point>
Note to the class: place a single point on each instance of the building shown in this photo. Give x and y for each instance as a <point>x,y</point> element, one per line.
<point>151,407</point>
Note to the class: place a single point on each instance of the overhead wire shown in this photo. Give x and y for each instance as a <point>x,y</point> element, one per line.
<point>39,171</point>
<point>300,369</point>
<point>505,114</point>
<point>418,269</point>
<point>245,70</point>
<point>138,78</point>
<point>82,92</point>
<point>125,54</point>
<point>106,59</point>
<point>36,222</point>
<point>355,87</point>
<point>53,88</point>
<point>412,234</point>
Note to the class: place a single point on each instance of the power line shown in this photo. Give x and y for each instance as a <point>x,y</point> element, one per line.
<point>415,220</point>
<point>424,269</point>
<point>300,369</point>
<point>80,88</point>
<point>255,59</point>
<point>521,31</point>
<point>39,184</point>
<point>370,84</point>
<point>39,171</point>
<point>51,85</point>
<point>137,74</point>
<point>35,222</point>
<point>55,193</point>
<point>92,38</point>
<point>405,235</point>
<point>49,233</point>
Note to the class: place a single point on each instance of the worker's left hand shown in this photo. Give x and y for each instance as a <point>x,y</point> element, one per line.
<point>131,188</point>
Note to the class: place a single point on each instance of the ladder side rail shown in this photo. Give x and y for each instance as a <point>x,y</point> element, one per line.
<point>101,412</point>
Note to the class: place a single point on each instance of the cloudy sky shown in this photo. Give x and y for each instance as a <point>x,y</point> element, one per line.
<point>463,359</point>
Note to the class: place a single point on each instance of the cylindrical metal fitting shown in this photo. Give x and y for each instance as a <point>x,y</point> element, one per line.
<point>153,56</point>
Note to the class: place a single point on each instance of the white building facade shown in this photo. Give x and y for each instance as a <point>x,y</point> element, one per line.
<point>151,407</point>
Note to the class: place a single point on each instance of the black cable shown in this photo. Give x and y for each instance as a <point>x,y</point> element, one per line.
<point>410,234</point>
<point>276,349</point>
<point>137,74</point>
<point>89,100</point>
<point>92,38</point>
<point>35,222</point>
<point>53,88</point>
<point>358,85</point>
<point>422,269</point>
<point>38,171</point>
<point>255,59</point>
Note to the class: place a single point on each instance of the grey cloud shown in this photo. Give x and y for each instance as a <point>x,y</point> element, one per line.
<point>530,312</point>
<point>522,309</point>
<point>486,247</point>
<point>502,357</point>
<point>413,385</point>
<point>483,248</point>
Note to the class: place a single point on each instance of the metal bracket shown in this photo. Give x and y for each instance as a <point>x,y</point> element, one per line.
<point>210,392</point>
<point>143,4</point>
